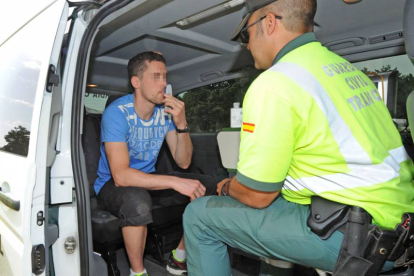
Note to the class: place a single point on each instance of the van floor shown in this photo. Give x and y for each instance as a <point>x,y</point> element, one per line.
<point>245,266</point>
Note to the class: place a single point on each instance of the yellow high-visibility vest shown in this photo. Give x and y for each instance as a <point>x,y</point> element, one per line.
<point>313,124</point>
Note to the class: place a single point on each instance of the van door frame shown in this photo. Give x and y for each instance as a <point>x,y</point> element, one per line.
<point>78,162</point>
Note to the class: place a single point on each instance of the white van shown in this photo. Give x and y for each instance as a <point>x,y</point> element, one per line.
<point>59,63</point>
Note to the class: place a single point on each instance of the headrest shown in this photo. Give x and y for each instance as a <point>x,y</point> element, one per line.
<point>112,98</point>
<point>408,29</point>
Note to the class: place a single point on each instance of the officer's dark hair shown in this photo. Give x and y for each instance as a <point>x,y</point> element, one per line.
<point>297,15</point>
<point>138,64</point>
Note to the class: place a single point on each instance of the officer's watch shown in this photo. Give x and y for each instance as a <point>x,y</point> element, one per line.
<point>184,130</point>
<point>223,189</point>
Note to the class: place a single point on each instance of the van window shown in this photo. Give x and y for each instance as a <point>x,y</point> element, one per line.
<point>95,103</point>
<point>208,107</point>
<point>405,80</point>
<point>19,74</point>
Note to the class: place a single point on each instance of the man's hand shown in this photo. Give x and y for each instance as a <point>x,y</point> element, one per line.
<point>189,187</point>
<point>177,110</point>
<point>220,185</point>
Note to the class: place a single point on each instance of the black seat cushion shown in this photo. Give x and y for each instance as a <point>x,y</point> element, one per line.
<point>105,226</point>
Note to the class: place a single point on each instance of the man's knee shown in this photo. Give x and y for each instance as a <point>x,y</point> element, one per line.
<point>210,183</point>
<point>136,208</point>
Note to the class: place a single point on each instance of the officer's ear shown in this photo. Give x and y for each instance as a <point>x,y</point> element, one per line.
<point>271,23</point>
<point>136,82</point>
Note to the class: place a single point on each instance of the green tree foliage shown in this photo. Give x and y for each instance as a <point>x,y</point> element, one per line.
<point>208,107</point>
<point>405,87</point>
<point>365,70</point>
<point>384,69</point>
<point>17,141</point>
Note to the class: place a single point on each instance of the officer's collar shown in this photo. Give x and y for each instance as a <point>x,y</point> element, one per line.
<point>295,43</point>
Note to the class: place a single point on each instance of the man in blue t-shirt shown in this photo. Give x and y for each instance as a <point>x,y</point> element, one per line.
<point>133,130</point>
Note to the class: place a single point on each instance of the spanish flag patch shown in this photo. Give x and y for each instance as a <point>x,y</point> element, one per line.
<point>248,127</point>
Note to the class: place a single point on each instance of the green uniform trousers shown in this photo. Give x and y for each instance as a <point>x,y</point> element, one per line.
<point>277,232</point>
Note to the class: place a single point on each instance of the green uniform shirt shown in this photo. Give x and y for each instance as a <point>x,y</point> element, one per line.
<point>314,124</point>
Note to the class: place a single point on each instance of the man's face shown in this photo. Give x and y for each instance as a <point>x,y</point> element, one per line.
<point>154,81</point>
<point>256,41</point>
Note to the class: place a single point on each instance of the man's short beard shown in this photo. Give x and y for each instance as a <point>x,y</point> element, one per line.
<point>154,100</point>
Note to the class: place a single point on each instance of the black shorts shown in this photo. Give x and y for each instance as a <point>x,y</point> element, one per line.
<point>133,205</point>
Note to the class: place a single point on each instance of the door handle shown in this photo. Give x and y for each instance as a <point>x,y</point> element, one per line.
<point>8,200</point>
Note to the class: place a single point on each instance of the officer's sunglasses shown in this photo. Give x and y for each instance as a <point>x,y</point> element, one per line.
<point>244,34</point>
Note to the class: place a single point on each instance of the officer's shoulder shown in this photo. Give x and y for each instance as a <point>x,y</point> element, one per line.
<point>269,78</point>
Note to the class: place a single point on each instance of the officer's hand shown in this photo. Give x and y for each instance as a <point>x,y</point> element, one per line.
<point>220,184</point>
<point>189,187</point>
<point>177,110</point>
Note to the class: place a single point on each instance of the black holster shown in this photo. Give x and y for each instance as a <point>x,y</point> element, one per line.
<point>326,217</point>
<point>351,259</point>
<point>365,247</point>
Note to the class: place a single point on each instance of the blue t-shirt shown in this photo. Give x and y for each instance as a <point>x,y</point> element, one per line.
<point>120,123</point>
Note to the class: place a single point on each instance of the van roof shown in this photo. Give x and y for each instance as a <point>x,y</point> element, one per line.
<point>202,52</point>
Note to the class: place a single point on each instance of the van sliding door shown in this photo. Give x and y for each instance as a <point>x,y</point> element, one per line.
<point>29,53</point>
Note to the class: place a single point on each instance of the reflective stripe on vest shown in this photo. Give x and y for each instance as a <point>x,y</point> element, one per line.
<point>362,171</point>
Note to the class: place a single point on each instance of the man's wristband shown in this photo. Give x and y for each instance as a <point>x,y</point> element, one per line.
<point>183,130</point>
<point>223,189</point>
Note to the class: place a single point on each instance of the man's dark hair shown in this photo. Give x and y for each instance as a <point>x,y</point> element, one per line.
<point>138,64</point>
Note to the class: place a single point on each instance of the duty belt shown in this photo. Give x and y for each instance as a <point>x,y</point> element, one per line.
<point>365,247</point>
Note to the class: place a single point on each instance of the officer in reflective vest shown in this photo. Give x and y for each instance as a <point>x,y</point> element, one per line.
<point>313,124</point>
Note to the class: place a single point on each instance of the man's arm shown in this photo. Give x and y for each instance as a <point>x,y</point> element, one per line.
<point>118,159</point>
<point>181,148</point>
<point>179,143</point>
<point>248,196</point>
